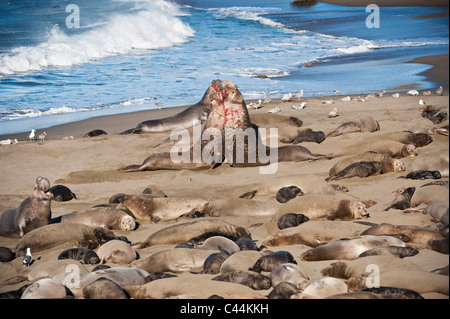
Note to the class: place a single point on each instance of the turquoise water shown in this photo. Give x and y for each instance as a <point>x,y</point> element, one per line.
<point>127,55</point>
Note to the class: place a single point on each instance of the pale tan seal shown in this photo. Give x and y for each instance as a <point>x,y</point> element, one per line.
<point>110,218</point>
<point>241,260</point>
<point>117,252</point>
<point>175,260</point>
<point>45,288</point>
<point>104,288</point>
<point>322,288</point>
<point>160,209</point>
<point>418,139</point>
<point>391,148</point>
<point>289,272</point>
<point>182,232</point>
<point>363,124</point>
<point>32,213</point>
<point>349,248</point>
<point>429,194</point>
<point>240,207</point>
<point>438,210</point>
<point>219,243</point>
<point>433,161</point>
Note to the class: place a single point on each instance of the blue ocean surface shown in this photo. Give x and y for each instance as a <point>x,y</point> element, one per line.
<point>64,61</point>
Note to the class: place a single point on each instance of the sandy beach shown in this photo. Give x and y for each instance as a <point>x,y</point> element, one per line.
<point>91,168</point>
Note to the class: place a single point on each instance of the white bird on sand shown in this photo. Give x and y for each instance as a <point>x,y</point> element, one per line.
<point>337,91</point>
<point>426,93</point>
<point>255,106</point>
<point>396,95</point>
<point>274,110</point>
<point>159,104</point>
<point>381,93</point>
<point>27,259</point>
<point>421,102</point>
<point>299,107</point>
<point>413,92</point>
<point>439,91</point>
<point>328,102</point>
<point>267,100</point>
<point>32,134</point>
<point>299,95</point>
<point>42,136</point>
<point>333,113</point>
<point>346,99</point>
<point>286,97</point>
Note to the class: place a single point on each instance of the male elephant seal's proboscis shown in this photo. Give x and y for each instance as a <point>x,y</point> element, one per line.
<point>32,213</point>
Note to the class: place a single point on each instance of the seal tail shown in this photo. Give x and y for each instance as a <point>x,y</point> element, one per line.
<point>131,168</point>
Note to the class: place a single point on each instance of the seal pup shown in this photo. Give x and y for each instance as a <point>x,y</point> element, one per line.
<point>439,245</point>
<point>32,213</point>
<point>6,254</point>
<point>289,272</point>
<point>424,174</point>
<point>283,290</point>
<point>83,255</point>
<point>285,194</point>
<point>193,115</point>
<point>270,261</point>
<point>213,262</point>
<point>117,252</point>
<point>291,220</point>
<point>322,288</point>
<point>95,133</point>
<point>62,193</point>
<point>313,136</point>
<point>104,288</point>
<point>250,279</point>
<point>349,248</point>
<point>403,200</point>
<point>363,124</point>
<point>399,252</point>
<point>106,217</point>
<point>358,169</point>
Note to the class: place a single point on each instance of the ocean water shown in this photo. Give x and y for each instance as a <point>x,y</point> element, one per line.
<point>64,61</point>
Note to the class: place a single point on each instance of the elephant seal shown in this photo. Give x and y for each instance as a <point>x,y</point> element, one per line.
<point>270,261</point>
<point>104,288</point>
<point>313,136</point>
<point>322,288</point>
<point>285,194</point>
<point>283,290</point>
<point>289,272</point>
<point>407,293</point>
<point>30,214</point>
<point>181,233</point>
<point>399,252</point>
<point>405,137</point>
<point>391,148</point>
<point>291,220</point>
<point>62,193</point>
<point>403,200</point>
<point>390,164</point>
<point>433,161</point>
<point>439,245</point>
<point>240,207</point>
<point>193,115</point>
<point>424,174</point>
<point>416,234</point>
<point>53,235</point>
<point>159,209</point>
<point>363,124</point>
<point>83,255</point>
<point>349,248</point>
<point>95,133</point>
<point>241,260</point>
<point>45,288</point>
<point>250,279</point>
<point>6,254</point>
<point>429,194</point>
<point>359,169</point>
<point>110,218</point>
<point>213,262</point>
<point>117,252</point>
<point>175,260</point>
<point>219,243</point>
<point>438,210</point>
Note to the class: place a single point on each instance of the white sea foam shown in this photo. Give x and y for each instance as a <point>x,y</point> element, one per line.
<point>155,25</point>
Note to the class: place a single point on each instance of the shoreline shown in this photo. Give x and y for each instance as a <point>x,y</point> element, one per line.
<point>389,3</point>
<point>117,123</point>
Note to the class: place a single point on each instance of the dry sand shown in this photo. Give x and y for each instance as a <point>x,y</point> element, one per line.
<point>90,167</point>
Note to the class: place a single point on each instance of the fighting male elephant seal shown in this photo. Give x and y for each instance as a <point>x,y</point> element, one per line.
<point>32,213</point>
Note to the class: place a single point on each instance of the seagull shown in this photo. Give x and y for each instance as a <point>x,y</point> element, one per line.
<point>255,106</point>
<point>336,91</point>
<point>381,93</point>
<point>267,100</point>
<point>286,97</point>
<point>42,136</point>
<point>439,91</point>
<point>328,102</point>
<point>421,102</point>
<point>396,95</point>
<point>159,104</point>
<point>299,95</point>
<point>299,107</point>
<point>413,92</point>
<point>27,259</point>
<point>333,113</point>
<point>426,93</point>
<point>274,110</point>
<point>370,95</point>
<point>32,134</point>
<point>346,99</point>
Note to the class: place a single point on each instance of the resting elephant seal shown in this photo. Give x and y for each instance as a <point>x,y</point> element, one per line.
<point>291,220</point>
<point>363,124</point>
<point>285,194</point>
<point>390,164</point>
<point>45,288</point>
<point>250,279</point>
<point>433,161</point>
<point>418,139</point>
<point>83,255</point>
<point>160,209</point>
<point>440,245</point>
<point>240,207</point>
<point>283,290</point>
<point>429,194</point>
<point>193,115</point>
<point>424,174</point>
<point>349,248</point>
<point>438,210</point>
<point>391,148</point>
<point>110,218</point>
<point>117,252</point>
<point>322,288</point>
<point>181,233</point>
<point>270,261</point>
<point>403,200</point>
<point>359,169</point>
<point>213,262</point>
<point>175,260</point>
<point>62,193</point>
<point>104,288</point>
<point>416,234</point>
<point>32,213</point>
<point>289,272</point>
<point>399,252</point>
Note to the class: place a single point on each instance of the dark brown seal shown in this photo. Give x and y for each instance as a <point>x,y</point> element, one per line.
<point>291,220</point>
<point>83,255</point>
<point>403,200</point>
<point>271,261</point>
<point>62,193</point>
<point>359,169</point>
<point>32,213</point>
<point>250,279</point>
